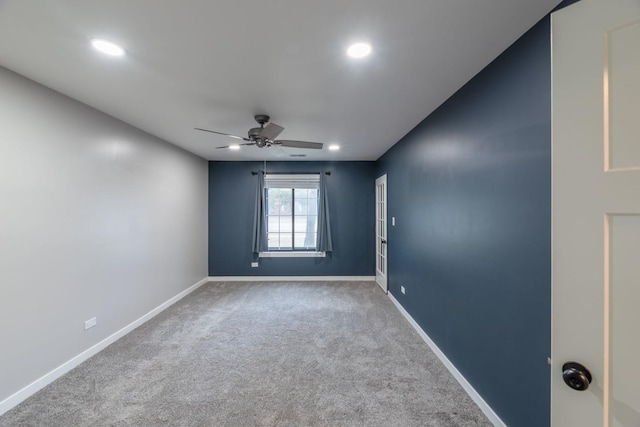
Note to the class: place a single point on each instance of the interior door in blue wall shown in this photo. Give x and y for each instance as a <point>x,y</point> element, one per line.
<point>381,232</point>
<point>596,214</point>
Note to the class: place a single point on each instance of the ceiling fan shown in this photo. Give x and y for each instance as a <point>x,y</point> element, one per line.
<point>265,136</point>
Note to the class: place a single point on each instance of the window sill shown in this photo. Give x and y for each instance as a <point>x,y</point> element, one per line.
<point>292,254</point>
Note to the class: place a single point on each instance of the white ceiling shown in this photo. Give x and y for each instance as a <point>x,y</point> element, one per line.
<point>214,64</point>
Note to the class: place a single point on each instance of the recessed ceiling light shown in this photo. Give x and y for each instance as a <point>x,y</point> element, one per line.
<point>234,147</point>
<point>359,50</point>
<point>334,147</point>
<point>107,48</point>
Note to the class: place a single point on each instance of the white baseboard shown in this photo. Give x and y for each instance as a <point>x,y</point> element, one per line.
<point>493,417</point>
<point>291,278</point>
<point>48,378</point>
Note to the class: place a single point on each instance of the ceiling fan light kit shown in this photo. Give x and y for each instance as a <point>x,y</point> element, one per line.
<point>265,136</point>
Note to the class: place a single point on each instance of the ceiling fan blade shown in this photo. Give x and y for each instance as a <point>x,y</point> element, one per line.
<point>248,143</point>
<point>299,144</point>
<point>225,134</point>
<point>271,131</point>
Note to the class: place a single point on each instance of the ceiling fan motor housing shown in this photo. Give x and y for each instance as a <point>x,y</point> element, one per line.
<point>254,133</point>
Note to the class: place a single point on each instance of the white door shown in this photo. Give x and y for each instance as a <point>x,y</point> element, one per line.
<point>381,232</point>
<point>596,213</point>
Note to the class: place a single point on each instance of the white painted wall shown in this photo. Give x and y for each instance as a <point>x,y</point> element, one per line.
<point>97,218</point>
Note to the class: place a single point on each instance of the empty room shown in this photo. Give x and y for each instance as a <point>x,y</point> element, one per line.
<point>281,213</point>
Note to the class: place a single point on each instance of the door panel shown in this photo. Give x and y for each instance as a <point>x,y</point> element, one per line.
<point>622,351</point>
<point>596,211</point>
<point>621,71</point>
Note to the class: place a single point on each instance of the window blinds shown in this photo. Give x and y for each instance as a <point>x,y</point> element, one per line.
<point>292,181</point>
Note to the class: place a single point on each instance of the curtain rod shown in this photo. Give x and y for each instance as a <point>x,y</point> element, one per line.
<point>305,173</point>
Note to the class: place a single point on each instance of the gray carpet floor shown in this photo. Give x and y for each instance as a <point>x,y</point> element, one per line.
<point>261,354</point>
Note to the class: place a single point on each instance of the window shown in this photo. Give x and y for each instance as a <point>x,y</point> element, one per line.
<point>291,212</point>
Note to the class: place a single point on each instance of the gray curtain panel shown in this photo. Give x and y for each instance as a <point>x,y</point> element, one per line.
<point>260,218</point>
<point>324,243</point>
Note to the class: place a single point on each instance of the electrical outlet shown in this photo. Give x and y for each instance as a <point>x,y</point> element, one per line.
<point>254,264</point>
<point>402,290</point>
<point>393,221</point>
<point>90,323</point>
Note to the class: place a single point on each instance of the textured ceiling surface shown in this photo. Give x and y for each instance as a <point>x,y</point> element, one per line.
<point>214,64</point>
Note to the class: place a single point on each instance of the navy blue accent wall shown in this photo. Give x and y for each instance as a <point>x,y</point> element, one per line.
<point>351,191</point>
<point>470,188</point>
<point>564,4</point>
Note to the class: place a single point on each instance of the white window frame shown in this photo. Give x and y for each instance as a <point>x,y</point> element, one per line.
<point>292,181</point>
